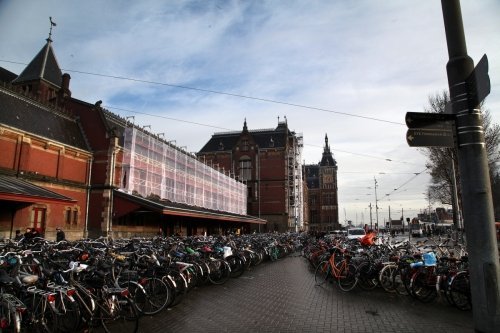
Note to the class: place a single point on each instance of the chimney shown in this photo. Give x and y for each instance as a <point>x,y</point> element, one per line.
<point>65,84</point>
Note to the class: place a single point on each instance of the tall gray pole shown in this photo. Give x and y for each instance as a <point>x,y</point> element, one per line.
<point>376,202</point>
<point>455,206</point>
<point>371,219</point>
<point>474,178</point>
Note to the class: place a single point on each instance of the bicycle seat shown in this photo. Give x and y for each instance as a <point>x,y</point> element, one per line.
<point>29,279</point>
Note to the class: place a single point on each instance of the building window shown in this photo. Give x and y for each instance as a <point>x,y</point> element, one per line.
<point>28,88</point>
<point>75,217</point>
<point>244,145</point>
<point>245,169</point>
<point>68,216</point>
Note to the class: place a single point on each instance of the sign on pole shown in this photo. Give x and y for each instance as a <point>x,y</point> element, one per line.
<point>430,129</point>
<point>478,83</point>
<point>423,137</point>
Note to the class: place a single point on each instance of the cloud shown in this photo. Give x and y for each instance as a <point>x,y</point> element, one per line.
<point>364,58</point>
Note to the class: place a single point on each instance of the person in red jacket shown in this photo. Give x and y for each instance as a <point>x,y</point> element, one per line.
<point>369,238</point>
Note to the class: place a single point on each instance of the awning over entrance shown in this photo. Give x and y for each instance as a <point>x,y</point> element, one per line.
<point>127,203</point>
<point>15,189</point>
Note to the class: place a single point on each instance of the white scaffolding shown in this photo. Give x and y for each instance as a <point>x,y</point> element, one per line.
<point>152,167</point>
<point>295,189</point>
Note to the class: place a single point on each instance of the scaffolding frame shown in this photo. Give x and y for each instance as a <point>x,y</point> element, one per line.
<point>295,184</point>
<point>155,168</point>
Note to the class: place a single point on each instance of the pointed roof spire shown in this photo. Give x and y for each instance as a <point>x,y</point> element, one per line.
<point>327,148</point>
<point>44,65</point>
<point>327,158</point>
<point>245,128</point>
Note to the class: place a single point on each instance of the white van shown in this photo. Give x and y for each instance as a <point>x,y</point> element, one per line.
<point>355,233</point>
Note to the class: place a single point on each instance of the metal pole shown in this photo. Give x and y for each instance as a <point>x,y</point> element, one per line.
<point>371,218</point>
<point>455,207</point>
<point>402,221</point>
<point>376,202</point>
<point>89,189</point>
<point>474,178</point>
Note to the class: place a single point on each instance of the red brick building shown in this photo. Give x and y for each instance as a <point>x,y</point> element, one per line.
<point>323,192</point>
<point>69,163</point>
<point>269,162</point>
<point>45,158</point>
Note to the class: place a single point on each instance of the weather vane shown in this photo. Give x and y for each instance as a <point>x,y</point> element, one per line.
<point>52,24</point>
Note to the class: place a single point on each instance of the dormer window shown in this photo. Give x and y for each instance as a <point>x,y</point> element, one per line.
<point>221,146</point>
<point>271,143</point>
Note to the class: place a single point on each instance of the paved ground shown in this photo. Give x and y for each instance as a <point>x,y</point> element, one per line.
<point>282,297</point>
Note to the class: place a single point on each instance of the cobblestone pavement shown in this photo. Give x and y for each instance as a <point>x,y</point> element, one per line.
<point>282,297</point>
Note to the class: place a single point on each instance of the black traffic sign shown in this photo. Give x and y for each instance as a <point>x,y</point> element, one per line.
<point>478,82</point>
<point>442,121</point>
<point>424,137</point>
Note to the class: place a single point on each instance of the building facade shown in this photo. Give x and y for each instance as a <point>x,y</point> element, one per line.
<point>322,187</point>
<point>45,159</point>
<point>268,161</point>
<point>73,164</point>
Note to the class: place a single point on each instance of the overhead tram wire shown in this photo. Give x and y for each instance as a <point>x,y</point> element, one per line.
<point>168,118</point>
<point>365,155</point>
<point>229,129</point>
<point>234,95</point>
<point>409,180</point>
<point>220,93</point>
<point>228,94</point>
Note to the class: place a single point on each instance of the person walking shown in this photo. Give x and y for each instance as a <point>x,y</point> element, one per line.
<point>60,236</point>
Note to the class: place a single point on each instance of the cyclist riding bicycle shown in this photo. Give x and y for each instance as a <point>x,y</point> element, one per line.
<point>369,238</point>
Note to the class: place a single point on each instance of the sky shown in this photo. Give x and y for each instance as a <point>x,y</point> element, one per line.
<point>347,69</point>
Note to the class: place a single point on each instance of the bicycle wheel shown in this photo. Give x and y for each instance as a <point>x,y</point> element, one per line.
<point>151,296</point>
<point>16,321</point>
<point>401,281</point>
<point>118,313</point>
<point>205,270</point>
<point>386,277</point>
<point>87,305</point>
<point>178,285</point>
<point>348,276</point>
<point>459,291</point>
<point>367,276</point>
<point>68,314</point>
<point>219,271</point>
<point>40,316</point>
<point>322,273</point>
<point>423,286</point>
<point>259,257</point>
<point>236,264</point>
